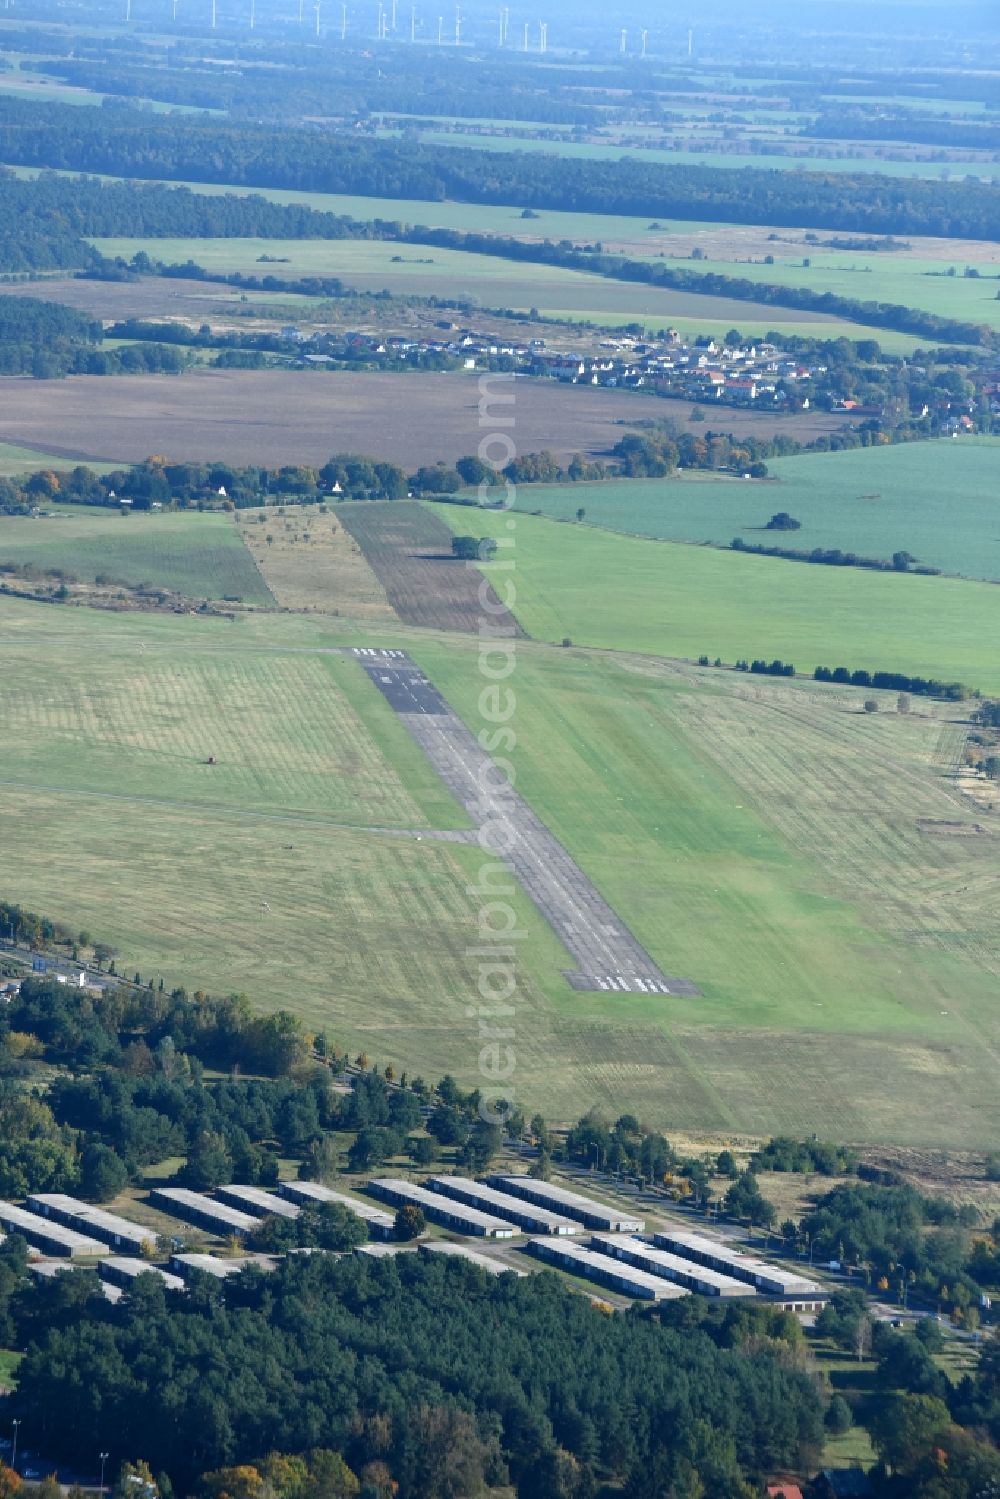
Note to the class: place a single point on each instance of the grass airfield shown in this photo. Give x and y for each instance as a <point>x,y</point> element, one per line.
<point>697,801</point>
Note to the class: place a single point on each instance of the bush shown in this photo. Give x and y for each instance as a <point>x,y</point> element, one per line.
<point>838,1418</point>
<point>410,1223</point>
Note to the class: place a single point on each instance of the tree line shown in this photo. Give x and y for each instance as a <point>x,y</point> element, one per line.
<point>900,562</point>
<point>130,143</point>
<point>893,681</point>
<point>902,319</point>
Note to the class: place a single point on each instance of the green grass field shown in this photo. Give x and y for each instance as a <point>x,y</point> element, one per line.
<point>699,803</point>
<point>425,270</point>
<point>936,500</point>
<point>16,461</point>
<point>902,279</point>
<point>630,594</point>
<point>201,555</point>
<point>419,270</point>
<point>887,166</point>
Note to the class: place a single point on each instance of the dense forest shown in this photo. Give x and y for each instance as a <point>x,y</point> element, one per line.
<point>43,222</point>
<point>433,1369</point>
<point>130,143</point>
<point>47,340</point>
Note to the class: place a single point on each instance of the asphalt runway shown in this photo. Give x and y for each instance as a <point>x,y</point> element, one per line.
<point>401,683</point>
<point>608,956</point>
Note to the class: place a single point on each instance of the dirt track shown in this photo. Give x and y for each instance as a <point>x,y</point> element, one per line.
<point>274,417</point>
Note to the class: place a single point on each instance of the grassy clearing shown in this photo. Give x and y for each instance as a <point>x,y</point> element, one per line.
<point>626,593</point>
<point>310,561</point>
<point>16,461</point>
<point>420,270</point>
<point>874,501</point>
<point>132,722</point>
<point>681,793</point>
<point>901,279</point>
<point>698,806</point>
<point>200,555</point>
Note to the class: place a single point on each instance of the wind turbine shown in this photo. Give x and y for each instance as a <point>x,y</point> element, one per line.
<point>643,35</point>
<point>458,27</point>
<point>622,42</point>
<point>690,45</point>
<point>525,36</point>
<point>440,25</point>
<point>316,8</point>
<point>214,14</point>
<point>343,22</point>
<point>413,23</point>
<point>128,10</point>
<point>543,37</point>
<point>393,27</point>
<point>174,9</point>
<point>253,13</point>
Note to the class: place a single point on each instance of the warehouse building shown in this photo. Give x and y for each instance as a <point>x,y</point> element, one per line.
<point>464,1220</point>
<point>203,1212</point>
<point>257,1202</point>
<point>627,1280</point>
<point>49,1269</point>
<point>474,1256</point>
<point>693,1277</point>
<point>381,1225</point>
<point>220,1269</point>
<point>122,1270</point>
<point>525,1214</point>
<point>383,1251</point>
<point>793,1291</point>
<point>594,1215</point>
<point>49,1238</point>
<point>119,1233</point>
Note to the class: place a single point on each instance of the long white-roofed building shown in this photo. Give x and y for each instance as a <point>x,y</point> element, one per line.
<point>464,1220</point>
<point>257,1202</point>
<point>693,1277</point>
<point>793,1290</point>
<point>122,1270</point>
<point>487,1262</point>
<point>87,1218</point>
<point>204,1212</point>
<point>48,1237</point>
<point>598,1216</point>
<point>381,1225</point>
<point>537,1220</point>
<point>591,1265</point>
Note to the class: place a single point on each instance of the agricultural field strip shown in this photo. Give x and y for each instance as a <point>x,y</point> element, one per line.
<point>446,835</point>
<point>609,956</point>
<point>409,551</point>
